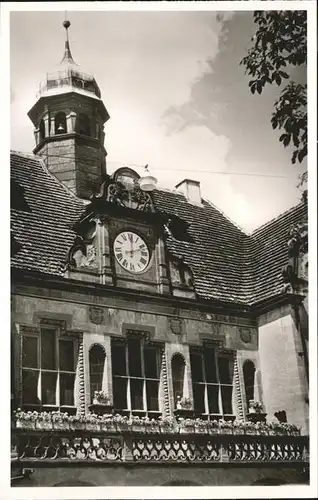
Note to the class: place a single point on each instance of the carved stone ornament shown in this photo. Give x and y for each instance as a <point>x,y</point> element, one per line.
<point>295,273</point>
<point>245,335</point>
<point>96,315</point>
<point>82,255</point>
<point>129,198</point>
<point>123,190</point>
<point>82,260</point>
<point>176,325</point>
<point>303,267</point>
<point>181,274</point>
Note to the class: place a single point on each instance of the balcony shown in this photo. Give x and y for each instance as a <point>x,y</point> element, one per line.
<point>69,77</point>
<point>59,446</point>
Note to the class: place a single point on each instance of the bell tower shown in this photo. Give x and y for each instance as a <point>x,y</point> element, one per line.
<point>68,119</point>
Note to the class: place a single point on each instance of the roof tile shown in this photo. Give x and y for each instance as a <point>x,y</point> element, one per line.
<point>227,264</point>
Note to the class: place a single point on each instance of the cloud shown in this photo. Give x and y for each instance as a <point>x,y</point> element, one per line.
<point>145,64</point>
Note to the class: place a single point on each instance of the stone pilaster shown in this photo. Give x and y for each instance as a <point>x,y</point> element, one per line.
<point>105,253</point>
<point>163,282</point>
<point>81,379</point>
<point>237,386</point>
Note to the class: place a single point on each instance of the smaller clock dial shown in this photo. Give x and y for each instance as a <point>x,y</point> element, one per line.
<point>131,252</point>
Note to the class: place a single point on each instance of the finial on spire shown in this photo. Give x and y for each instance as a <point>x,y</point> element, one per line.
<point>67,57</point>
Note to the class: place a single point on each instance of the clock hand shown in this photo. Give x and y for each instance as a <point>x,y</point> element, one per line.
<point>132,251</point>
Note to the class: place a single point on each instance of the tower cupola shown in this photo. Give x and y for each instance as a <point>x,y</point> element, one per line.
<point>69,117</point>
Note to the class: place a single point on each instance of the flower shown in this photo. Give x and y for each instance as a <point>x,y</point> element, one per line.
<point>186,422</point>
<point>184,402</point>
<point>166,421</point>
<point>256,406</point>
<point>101,396</point>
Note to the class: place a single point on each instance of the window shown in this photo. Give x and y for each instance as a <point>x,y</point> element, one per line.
<point>96,368</point>
<point>249,377</point>
<point>60,123</point>
<point>83,125</point>
<point>136,373</point>
<point>177,367</point>
<point>212,382</point>
<point>42,130</point>
<point>48,369</point>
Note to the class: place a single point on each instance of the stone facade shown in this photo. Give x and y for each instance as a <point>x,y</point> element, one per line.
<point>210,309</point>
<point>163,476</point>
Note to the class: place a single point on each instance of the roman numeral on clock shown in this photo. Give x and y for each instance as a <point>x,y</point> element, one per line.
<point>131,251</point>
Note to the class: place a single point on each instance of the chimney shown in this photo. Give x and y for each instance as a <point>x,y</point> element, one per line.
<point>191,190</point>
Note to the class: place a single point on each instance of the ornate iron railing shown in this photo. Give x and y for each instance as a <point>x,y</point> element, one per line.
<point>43,448</point>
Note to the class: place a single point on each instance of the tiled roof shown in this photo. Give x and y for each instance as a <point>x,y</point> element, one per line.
<point>227,264</point>
<point>270,251</point>
<point>215,256</point>
<point>44,232</point>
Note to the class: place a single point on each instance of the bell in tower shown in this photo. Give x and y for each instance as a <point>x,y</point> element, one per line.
<point>69,118</point>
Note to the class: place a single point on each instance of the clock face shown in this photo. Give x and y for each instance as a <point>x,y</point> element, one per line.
<point>131,252</point>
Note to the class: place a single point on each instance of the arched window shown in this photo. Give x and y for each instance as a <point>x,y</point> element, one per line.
<point>42,130</point>
<point>96,368</point>
<point>60,125</point>
<point>99,132</point>
<point>249,378</point>
<point>177,367</point>
<point>83,126</point>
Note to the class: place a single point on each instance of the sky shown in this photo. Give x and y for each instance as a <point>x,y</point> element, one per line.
<point>177,97</point>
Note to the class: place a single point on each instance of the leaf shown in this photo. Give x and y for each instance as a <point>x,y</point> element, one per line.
<point>294,157</point>
<point>253,88</point>
<point>278,79</point>
<point>302,154</point>
<point>283,74</point>
<point>286,139</point>
<point>274,121</point>
<point>296,140</point>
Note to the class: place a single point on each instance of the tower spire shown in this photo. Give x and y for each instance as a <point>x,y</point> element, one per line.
<point>67,57</point>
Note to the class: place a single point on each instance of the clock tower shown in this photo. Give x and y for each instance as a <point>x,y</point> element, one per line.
<point>68,119</point>
<point>120,238</point>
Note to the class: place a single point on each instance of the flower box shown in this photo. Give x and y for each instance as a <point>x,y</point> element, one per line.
<point>256,417</point>
<point>122,427</point>
<point>201,430</point>
<point>77,426</point>
<point>238,431</point>
<point>108,427</point>
<point>225,430</point>
<point>153,429</point>
<point>183,413</point>
<point>25,424</point>
<point>100,398</point>
<point>92,426</point>
<point>60,425</point>
<point>138,428</point>
<point>167,429</point>
<point>186,429</point>
<point>100,408</point>
<point>44,425</point>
